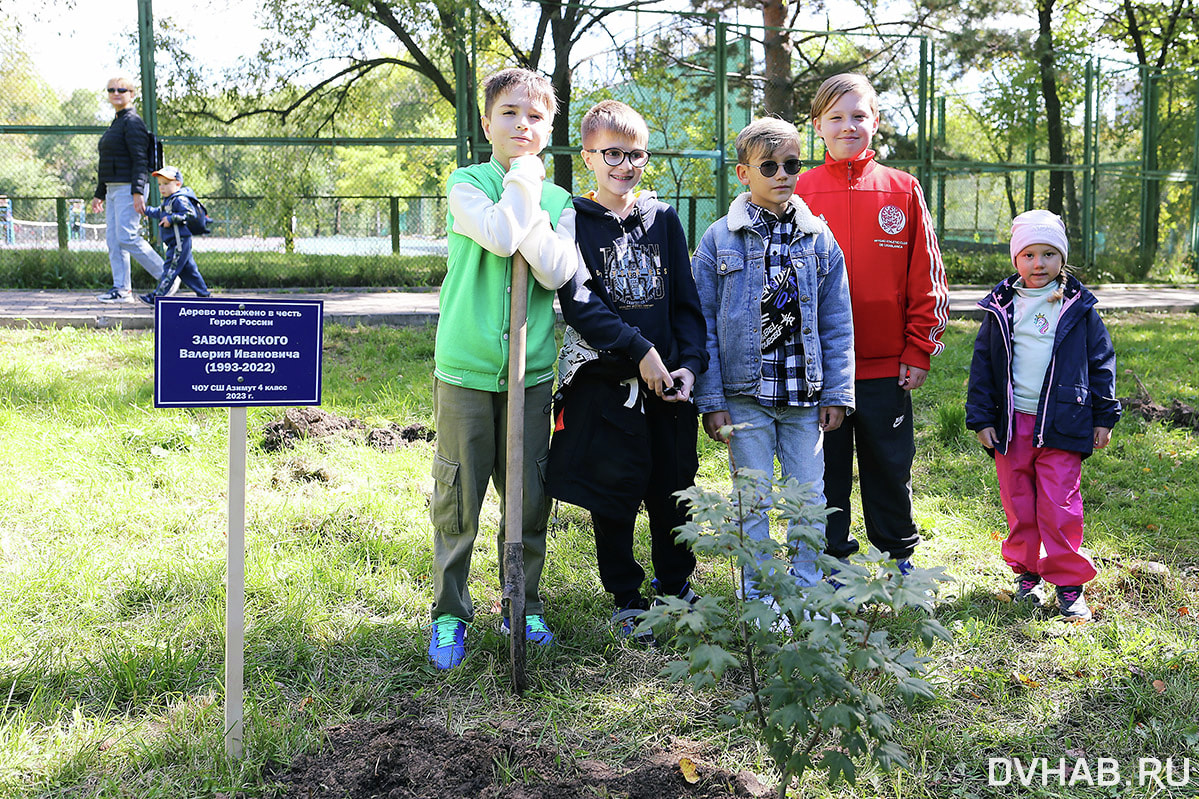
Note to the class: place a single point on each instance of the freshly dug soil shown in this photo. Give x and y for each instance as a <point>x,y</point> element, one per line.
<point>306,422</point>
<point>404,759</point>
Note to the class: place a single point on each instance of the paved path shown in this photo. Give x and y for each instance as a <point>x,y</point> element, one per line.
<point>56,308</point>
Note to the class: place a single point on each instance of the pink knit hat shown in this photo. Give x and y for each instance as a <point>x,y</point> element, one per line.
<point>1039,227</point>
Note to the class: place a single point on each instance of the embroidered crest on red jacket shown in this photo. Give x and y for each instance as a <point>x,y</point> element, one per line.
<point>891,219</point>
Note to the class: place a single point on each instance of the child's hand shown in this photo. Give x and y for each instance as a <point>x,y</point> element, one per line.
<point>1103,435</point>
<point>654,372</point>
<point>715,420</point>
<point>166,222</point>
<point>911,377</point>
<point>682,381</point>
<point>97,205</point>
<point>831,417</point>
<point>987,437</point>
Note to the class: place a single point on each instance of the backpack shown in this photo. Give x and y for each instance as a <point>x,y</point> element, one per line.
<point>201,223</point>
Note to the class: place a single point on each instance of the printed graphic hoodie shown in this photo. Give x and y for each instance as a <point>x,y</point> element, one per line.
<point>639,267</point>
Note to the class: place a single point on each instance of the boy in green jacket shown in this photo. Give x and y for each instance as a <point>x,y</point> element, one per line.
<point>495,210</point>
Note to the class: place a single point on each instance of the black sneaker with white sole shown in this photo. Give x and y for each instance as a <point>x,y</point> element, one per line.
<point>1071,604</point>
<point>1030,589</point>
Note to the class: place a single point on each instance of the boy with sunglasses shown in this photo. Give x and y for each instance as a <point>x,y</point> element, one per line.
<point>625,428</point>
<point>900,304</point>
<point>775,299</point>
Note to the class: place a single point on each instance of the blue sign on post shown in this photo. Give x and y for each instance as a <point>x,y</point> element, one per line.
<point>224,352</point>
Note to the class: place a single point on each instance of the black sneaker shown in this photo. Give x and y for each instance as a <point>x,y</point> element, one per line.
<point>148,299</point>
<point>1071,604</point>
<point>686,593</point>
<point>1029,588</point>
<point>625,620</point>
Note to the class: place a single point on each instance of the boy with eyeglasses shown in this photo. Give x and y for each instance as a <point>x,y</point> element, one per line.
<point>625,428</point>
<point>775,299</point>
<point>900,304</point>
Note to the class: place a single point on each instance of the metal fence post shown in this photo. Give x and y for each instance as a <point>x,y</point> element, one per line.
<point>941,179</point>
<point>394,222</point>
<point>922,132</point>
<point>1088,175</point>
<point>1194,232</point>
<point>149,93</point>
<point>722,92</point>
<point>1030,149</point>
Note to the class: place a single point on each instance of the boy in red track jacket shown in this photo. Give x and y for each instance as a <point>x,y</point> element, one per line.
<point>900,308</point>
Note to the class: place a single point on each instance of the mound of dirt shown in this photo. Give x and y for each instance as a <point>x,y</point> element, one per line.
<point>404,759</point>
<point>298,423</point>
<point>307,422</point>
<point>1178,414</point>
<point>388,439</point>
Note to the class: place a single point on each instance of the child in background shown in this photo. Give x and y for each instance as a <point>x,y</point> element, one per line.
<point>900,309</point>
<point>632,310</point>
<point>772,285</point>
<point>1041,398</point>
<point>496,209</point>
<point>173,214</point>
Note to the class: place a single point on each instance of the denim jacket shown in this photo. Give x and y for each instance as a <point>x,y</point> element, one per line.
<point>729,266</point>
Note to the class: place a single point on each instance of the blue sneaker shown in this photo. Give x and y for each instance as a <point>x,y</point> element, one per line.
<point>536,631</point>
<point>905,566</point>
<point>447,645</point>
<point>686,593</point>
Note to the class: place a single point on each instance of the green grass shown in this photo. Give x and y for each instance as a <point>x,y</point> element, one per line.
<point>55,269</point>
<point>112,518</point>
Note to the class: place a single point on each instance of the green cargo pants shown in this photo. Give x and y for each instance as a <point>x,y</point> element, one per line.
<point>472,431</point>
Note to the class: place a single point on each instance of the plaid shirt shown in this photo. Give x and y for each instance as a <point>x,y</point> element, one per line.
<point>782,368</point>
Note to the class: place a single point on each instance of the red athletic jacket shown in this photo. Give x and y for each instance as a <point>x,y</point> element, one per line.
<point>896,279</point>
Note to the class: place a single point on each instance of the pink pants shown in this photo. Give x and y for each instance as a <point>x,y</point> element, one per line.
<point>1041,497</point>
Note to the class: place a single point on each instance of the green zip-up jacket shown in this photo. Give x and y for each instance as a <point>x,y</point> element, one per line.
<point>472,333</point>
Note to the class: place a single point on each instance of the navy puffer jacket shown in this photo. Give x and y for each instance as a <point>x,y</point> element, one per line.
<point>1079,392</point>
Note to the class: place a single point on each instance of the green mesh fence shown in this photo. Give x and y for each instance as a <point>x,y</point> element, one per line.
<point>341,183</point>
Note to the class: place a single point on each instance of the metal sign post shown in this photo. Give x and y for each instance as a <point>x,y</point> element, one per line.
<point>221,351</point>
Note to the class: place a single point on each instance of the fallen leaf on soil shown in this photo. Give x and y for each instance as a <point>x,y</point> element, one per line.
<point>1159,686</point>
<point>1003,596</point>
<point>1184,611</point>
<point>690,772</point>
<point>1024,679</point>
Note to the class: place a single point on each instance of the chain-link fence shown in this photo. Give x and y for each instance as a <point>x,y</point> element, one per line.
<point>320,182</point>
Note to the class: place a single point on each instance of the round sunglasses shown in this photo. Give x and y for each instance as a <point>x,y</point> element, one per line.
<point>791,166</point>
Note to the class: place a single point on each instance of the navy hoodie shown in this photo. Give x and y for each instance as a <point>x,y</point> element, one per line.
<point>638,267</point>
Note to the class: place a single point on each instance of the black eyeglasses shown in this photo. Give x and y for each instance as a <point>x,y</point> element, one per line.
<point>614,156</point>
<point>791,166</point>
<point>118,91</point>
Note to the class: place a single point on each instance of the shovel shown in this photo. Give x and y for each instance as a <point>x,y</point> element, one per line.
<point>514,548</point>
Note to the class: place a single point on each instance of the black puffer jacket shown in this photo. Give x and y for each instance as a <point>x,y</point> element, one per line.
<point>123,153</point>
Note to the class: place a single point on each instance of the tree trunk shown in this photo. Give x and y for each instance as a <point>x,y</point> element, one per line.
<point>563,162</point>
<point>1053,105</point>
<point>779,98</point>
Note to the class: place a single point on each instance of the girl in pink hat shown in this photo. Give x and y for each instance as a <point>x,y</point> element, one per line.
<point>1042,397</point>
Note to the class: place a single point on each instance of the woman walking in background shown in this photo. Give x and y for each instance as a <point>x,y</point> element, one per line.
<point>120,188</point>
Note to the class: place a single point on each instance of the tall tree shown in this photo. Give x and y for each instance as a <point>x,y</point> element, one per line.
<point>329,46</point>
